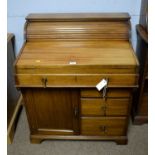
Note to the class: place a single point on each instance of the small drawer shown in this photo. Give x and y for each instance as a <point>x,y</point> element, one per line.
<point>109,107</point>
<point>111,92</point>
<point>109,126</point>
<point>69,80</point>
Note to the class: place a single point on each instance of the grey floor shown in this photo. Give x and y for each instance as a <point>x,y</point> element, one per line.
<point>137,145</point>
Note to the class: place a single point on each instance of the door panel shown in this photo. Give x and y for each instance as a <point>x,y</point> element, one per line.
<point>54,110</point>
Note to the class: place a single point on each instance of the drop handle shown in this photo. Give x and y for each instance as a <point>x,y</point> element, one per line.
<point>44,81</point>
<point>102,85</point>
<point>105,89</point>
<point>103,128</point>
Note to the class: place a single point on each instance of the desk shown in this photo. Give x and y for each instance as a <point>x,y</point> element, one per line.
<point>63,59</point>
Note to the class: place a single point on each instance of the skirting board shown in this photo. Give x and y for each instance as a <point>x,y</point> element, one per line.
<point>13,122</point>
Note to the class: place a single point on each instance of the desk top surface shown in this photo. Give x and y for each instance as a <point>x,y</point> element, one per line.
<point>106,53</point>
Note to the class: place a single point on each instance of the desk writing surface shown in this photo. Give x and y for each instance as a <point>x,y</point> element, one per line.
<point>106,53</point>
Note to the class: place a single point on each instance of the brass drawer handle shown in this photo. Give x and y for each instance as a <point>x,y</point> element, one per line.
<point>103,128</point>
<point>102,85</point>
<point>105,90</point>
<point>44,81</point>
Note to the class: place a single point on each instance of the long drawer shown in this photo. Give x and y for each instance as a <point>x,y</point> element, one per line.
<point>108,126</point>
<point>112,92</point>
<point>80,80</point>
<point>101,107</point>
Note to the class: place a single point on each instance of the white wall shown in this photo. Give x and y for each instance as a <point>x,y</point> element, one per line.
<point>18,9</point>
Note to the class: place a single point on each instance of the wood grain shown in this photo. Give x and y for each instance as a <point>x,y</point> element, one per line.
<point>82,80</point>
<point>77,30</point>
<point>120,140</point>
<point>52,110</point>
<point>45,27</point>
<point>112,92</point>
<point>77,16</point>
<point>104,107</point>
<point>113,126</point>
<point>107,54</point>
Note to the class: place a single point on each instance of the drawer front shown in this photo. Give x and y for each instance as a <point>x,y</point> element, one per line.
<point>109,126</point>
<point>29,80</point>
<point>100,107</point>
<point>112,92</point>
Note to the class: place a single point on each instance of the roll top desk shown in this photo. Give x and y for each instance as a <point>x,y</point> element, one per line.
<point>62,60</point>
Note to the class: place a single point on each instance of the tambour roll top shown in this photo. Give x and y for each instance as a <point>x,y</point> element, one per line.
<point>71,47</point>
<point>77,26</point>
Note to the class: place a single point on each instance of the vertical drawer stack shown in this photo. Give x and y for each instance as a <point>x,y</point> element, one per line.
<point>105,116</point>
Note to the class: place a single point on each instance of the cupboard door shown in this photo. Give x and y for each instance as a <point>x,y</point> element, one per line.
<point>52,111</point>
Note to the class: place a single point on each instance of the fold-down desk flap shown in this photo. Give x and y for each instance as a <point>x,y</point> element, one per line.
<point>105,54</point>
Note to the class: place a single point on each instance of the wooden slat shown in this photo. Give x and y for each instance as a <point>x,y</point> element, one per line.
<point>76,30</point>
<point>76,69</point>
<point>77,26</point>
<point>78,17</point>
<point>12,124</point>
<point>142,32</point>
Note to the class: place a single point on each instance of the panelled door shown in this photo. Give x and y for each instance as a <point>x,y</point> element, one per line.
<point>52,111</point>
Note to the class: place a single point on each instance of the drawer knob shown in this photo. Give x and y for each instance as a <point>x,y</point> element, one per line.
<point>44,81</point>
<point>103,128</point>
